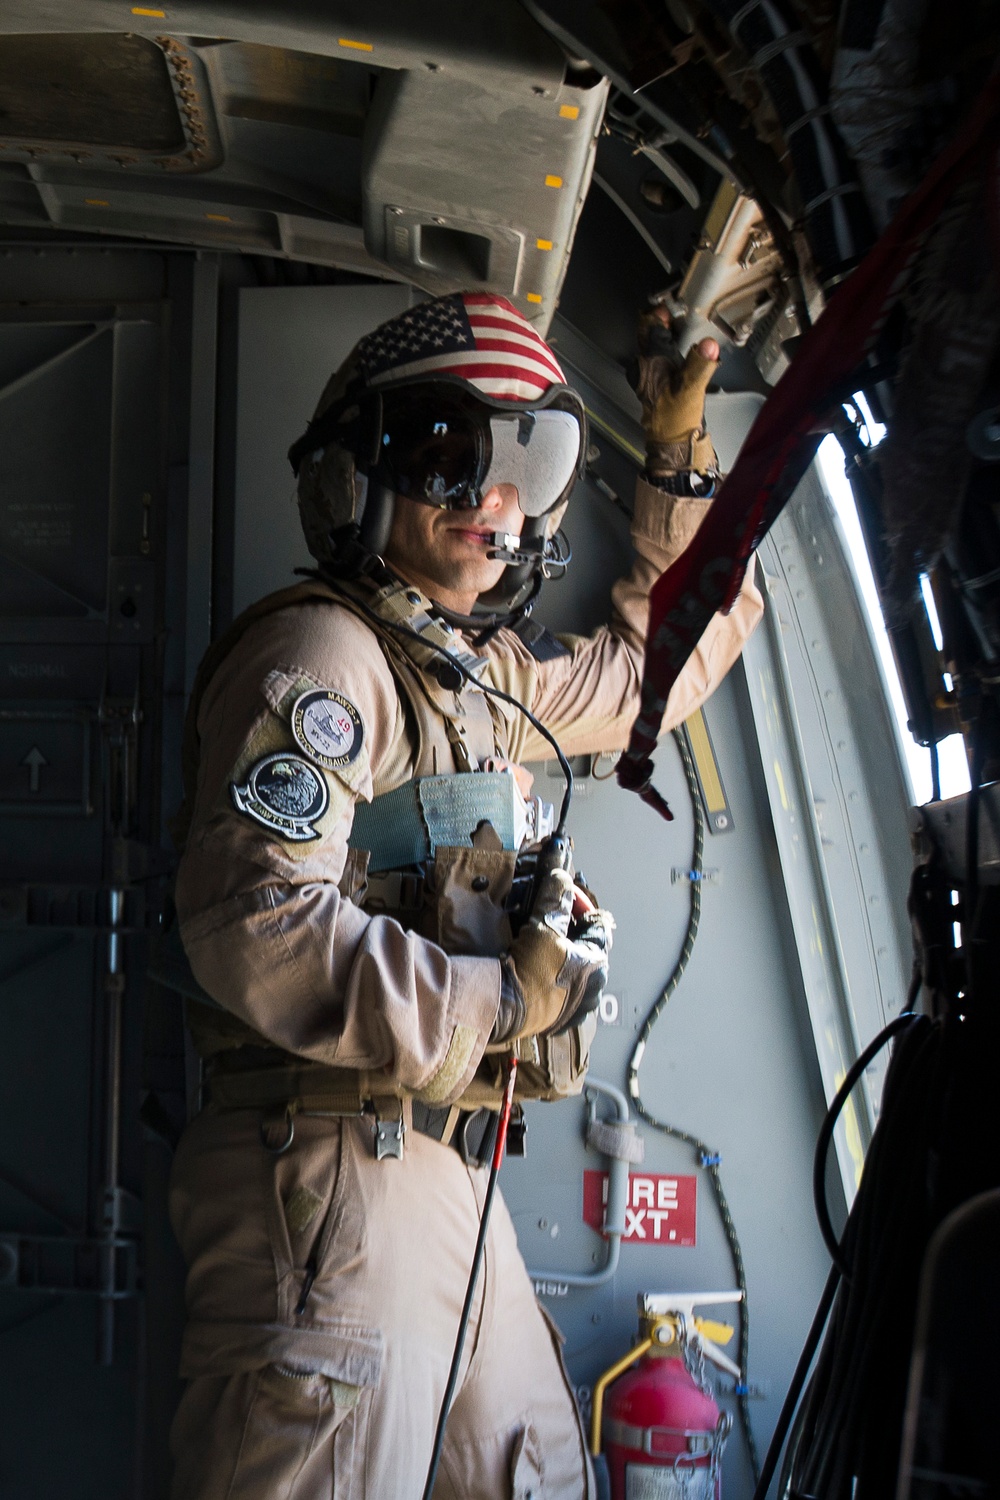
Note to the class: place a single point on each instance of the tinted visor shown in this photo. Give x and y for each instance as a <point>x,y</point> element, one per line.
<point>446,450</point>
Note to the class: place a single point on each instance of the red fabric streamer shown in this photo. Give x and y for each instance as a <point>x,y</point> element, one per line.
<point>784,439</point>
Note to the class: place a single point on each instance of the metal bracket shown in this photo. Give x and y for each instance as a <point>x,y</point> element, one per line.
<point>389,1131</point>
<point>939,828</point>
<point>108,1268</point>
<point>695,877</point>
<point>76,907</point>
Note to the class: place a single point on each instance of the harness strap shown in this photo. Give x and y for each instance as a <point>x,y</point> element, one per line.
<point>464,709</point>
<point>329,1091</point>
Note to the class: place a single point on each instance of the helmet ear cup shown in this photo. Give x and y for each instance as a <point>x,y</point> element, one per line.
<point>376,518</point>
<point>326,497</point>
<point>368,439</point>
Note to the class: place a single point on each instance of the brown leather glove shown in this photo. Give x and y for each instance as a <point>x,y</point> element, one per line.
<point>672,391</point>
<point>557,967</point>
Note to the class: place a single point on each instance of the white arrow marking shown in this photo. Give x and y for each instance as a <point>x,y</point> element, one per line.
<point>34,760</point>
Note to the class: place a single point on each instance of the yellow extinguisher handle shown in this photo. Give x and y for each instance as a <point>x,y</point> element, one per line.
<point>597,1410</point>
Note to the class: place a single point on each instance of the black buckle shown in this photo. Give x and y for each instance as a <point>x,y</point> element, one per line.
<point>517,1133</point>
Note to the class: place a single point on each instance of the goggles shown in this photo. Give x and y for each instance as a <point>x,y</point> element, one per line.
<point>447,449</point>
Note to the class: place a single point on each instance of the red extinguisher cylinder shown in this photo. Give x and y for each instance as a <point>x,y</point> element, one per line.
<point>657,1422</point>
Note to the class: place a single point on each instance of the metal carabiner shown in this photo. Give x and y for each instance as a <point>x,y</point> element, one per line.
<point>272,1118</point>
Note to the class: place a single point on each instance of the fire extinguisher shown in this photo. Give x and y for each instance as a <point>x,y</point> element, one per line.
<point>662,1432</point>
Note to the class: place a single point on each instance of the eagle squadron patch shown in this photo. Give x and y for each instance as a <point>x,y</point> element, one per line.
<point>283,794</point>
<point>328,728</point>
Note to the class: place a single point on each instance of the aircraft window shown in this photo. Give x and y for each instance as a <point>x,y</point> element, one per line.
<point>952,762</point>
<point>875,430</point>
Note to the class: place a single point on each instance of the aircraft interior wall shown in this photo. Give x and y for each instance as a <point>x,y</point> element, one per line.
<point>147,399</point>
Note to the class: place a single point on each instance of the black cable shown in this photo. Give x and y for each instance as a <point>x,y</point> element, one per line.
<point>798,1380</point>
<point>970,896</point>
<point>707,1158</point>
<point>694,919</point>
<point>833,1244</point>
<point>935,771</point>
<point>463,1328</point>
<point>851,1414</point>
<point>499,1141</point>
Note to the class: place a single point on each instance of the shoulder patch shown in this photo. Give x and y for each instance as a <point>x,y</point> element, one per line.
<point>283,793</point>
<point>327,728</point>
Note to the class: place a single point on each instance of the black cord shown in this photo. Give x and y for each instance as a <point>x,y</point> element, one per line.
<point>798,1380</point>
<point>494,692</point>
<point>833,1244</point>
<point>463,1328</point>
<point>848,1428</point>
<point>935,771</point>
<point>970,895</point>
<point>707,1158</point>
<point>498,1138</point>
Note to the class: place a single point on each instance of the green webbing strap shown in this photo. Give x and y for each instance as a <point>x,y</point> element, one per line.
<point>406,826</point>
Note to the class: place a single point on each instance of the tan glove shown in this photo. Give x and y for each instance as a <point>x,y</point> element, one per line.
<point>672,391</point>
<point>557,967</point>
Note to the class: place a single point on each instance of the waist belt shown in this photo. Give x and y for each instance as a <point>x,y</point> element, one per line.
<point>247,1078</point>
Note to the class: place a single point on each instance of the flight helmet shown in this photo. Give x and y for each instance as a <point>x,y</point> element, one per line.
<point>439,404</point>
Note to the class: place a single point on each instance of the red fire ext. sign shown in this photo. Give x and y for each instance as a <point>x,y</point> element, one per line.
<point>661,1210</point>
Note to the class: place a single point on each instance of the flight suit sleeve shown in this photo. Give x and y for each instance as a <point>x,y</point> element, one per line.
<point>590,697</point>
<point>267,931</point>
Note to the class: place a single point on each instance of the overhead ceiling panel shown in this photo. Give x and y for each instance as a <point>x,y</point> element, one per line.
<point>447,146</point>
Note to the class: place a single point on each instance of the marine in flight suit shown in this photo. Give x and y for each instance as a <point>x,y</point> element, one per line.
<point>325,1285</point>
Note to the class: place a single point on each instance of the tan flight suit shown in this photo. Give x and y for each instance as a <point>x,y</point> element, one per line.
<point>342,1398</point>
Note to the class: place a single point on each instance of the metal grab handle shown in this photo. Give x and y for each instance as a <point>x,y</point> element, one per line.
<point>614,1214</point>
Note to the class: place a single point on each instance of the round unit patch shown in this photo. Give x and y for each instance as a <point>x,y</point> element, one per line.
<point>283,794</point>
<point>328,728</point>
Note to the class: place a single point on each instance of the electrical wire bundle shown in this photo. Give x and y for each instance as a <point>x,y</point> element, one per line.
<point>851,1418</point>
<point>936,1144</point>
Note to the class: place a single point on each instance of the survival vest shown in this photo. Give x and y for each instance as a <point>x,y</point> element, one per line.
<point>458,902</point>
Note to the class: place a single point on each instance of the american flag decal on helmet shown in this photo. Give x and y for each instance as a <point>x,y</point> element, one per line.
<point>477,337</point>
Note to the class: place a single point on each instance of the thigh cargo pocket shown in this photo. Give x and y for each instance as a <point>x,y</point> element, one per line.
<point>303,1436</point>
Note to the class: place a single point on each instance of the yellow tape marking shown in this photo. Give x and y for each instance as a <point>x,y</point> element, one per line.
<point>551,181</point>
<point>343,41</point>
<point>219,218</point>
<point>569,112</point>
<point>140,10</point>
<point>781,785</point>
<point>715,799</point>
<point>543,244</point>
<point>615,436</point>
<point>97,202</point>
<point>533,296</point>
